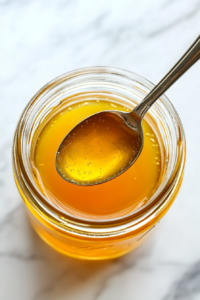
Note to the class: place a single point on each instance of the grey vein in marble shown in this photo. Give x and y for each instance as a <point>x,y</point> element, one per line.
<point>188,286</point>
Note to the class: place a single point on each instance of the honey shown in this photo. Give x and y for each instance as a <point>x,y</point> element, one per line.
<point>126,193</point>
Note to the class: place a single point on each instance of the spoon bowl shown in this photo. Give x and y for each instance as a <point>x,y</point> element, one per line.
<point>100,148</point>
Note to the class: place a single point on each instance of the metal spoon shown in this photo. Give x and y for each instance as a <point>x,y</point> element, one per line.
<point>132,121</point>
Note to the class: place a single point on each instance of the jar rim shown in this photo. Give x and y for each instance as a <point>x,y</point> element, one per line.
<point>134,221</point>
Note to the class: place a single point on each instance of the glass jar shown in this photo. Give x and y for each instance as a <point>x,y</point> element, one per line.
<point>105,238</point>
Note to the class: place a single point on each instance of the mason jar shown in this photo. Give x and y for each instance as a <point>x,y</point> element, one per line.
<point>101,238</point>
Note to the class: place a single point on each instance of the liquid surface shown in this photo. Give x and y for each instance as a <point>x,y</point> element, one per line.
<point>114,198</point>
<point>98,149</point>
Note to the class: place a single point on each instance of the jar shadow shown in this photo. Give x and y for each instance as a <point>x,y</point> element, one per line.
<point>72,278</point>
<point>42,273</point>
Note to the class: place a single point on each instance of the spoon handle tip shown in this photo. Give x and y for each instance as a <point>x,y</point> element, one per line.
<point>191,56</point>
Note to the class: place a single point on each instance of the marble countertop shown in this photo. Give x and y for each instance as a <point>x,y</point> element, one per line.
<point>43,39</point>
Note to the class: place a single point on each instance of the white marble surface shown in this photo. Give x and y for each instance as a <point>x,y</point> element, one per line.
<point>40,40</point>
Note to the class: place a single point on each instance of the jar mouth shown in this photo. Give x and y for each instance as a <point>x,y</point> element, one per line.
<point>132,86</point>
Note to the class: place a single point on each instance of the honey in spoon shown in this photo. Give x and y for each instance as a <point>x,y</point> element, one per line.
<point>97,150</point>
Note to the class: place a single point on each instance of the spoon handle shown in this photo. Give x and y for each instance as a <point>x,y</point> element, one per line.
<point>187,60</point>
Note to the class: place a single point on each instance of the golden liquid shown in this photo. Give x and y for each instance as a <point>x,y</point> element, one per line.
<point>126,193</point>
<point>97,150</point>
